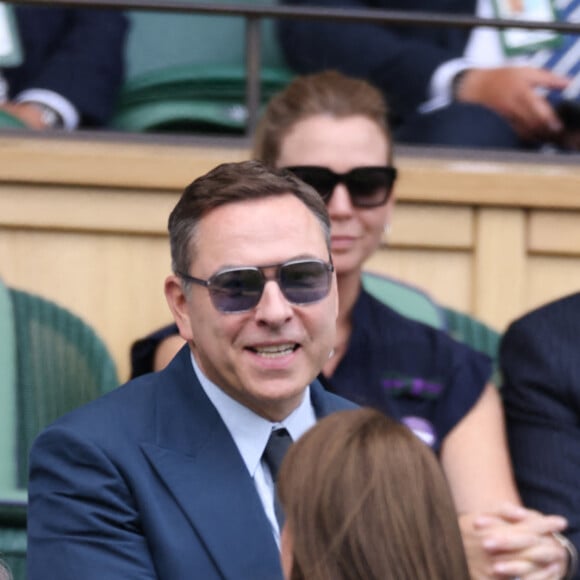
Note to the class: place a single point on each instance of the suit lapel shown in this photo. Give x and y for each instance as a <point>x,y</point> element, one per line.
<point>325,403</point>
<point>198,460</point>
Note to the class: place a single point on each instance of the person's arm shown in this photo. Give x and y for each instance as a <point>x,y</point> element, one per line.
<point>512,92</point>
<point>476,462</point>
<point>475,459</point>
<point>87,66</point>
<point>82,518</point>
<point>398,60</point>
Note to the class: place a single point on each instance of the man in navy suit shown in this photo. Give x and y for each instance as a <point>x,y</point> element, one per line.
<point>72,67</point>
<point>540,362</point>
<point>443,85</point>
<point>164,478</point>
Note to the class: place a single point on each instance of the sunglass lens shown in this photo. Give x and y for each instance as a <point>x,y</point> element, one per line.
<point>305,282</point>
<point>237,290</point>
<point>319,178</point>
<point>369,186</point>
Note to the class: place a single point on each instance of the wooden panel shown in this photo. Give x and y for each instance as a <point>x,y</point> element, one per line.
<point>85,208</point>
<point>500,266</point>
<point>114,282</point>
<point>430,225</point>
<point>524,183</point>
<point>551,277</point>
<point>95,160</point>
<point>554,232</point>
<point>444,275</point>
<point>155,162</point>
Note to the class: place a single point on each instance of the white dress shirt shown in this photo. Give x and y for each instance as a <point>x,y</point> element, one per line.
<point>251,432</point>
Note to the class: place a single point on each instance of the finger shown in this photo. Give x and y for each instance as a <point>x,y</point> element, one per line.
<point>513,568</point>
<point>535,116</point>
<point>512,541</point>
<point>524,540</point>
<point>543,117</point>
<point>545,552</point>
<point>540,77</point>
<point>511,513</point>
<point>545,525</point>
<point>551,572</point>
<point>506,512</point>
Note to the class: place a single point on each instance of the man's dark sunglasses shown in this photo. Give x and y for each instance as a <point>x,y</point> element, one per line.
<point>240,289</point>
<point>367,186</point>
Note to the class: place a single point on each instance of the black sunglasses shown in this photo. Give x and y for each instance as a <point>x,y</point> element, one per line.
<point>240,289</point>
<point>367,186</point>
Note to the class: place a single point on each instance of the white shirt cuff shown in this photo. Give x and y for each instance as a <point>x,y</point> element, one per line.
<point>62,106</point>
<point>440,93</point>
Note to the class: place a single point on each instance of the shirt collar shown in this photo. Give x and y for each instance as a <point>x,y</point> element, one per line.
<point>249,431</point>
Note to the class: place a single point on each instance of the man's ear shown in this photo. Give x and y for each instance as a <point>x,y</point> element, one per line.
<point>179,306</point>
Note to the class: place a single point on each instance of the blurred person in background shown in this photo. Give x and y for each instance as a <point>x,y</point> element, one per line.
<point>541,392</point>
<point>448,86</point>
<point>71,66</point>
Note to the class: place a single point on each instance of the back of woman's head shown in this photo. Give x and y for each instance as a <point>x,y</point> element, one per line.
<point>325,93</point>
<point>365,499</point>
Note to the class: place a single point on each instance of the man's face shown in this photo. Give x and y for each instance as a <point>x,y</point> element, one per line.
<point>265,357</point>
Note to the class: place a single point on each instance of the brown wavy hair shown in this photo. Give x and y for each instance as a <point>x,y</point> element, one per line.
<point>325,93</point>
<point>365,499</point>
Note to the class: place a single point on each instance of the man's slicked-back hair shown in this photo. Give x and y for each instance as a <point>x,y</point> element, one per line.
<point>326,93</point>
<point>234,183</point>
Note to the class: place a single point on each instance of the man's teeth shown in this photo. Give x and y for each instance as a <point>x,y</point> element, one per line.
<point>274,351</point>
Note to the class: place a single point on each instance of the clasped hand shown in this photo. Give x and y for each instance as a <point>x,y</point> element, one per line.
<point>514,542</point>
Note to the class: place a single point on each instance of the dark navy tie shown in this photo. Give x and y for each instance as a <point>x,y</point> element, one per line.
<point>276,448</point>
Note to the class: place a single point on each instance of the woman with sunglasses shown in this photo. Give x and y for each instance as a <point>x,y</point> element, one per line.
<point>331,131</point>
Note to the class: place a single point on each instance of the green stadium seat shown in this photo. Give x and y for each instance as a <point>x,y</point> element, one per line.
<point>405,299</point>
<point>416,304</point>
<point>183,76</point>
<point>58,363</point>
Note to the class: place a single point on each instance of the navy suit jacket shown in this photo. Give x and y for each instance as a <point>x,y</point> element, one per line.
<point>540,360</point>
<point>75,52</point>
<point>147,483</point>
<point>398,60</point>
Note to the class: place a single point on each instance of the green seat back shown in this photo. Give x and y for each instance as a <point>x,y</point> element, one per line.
<point>13,551</point>
<point>414,303</point>
<point>158,40</point>
<point>405,299</point>
<point>187,72</point>
<point>476,334</point>
<point>8,476</point>
<point>61,363</point>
